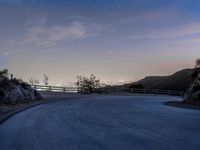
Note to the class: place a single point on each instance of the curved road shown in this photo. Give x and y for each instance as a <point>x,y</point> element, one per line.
<point>103,123</point>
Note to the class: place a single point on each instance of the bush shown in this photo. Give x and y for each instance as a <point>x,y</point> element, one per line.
<point>4,73</point>
<point>5,83</point>
<point>87,84</point>
<point>15,90</point>
<point>197,62</point>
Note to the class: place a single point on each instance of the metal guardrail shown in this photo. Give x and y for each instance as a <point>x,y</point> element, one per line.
<point>109,90</point>
<point>156,91</point>
<point>140,91</point>
<point>55,88</point>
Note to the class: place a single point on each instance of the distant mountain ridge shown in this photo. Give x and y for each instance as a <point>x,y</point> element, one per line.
<point>180,81</point>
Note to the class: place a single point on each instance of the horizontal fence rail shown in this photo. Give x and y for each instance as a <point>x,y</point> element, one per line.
<point>55,88</point>
<point>156,91</point>
<point>140,91</point>
<point>109,90</point>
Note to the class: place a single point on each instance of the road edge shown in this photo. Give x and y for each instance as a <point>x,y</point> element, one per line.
<point>11,114</point>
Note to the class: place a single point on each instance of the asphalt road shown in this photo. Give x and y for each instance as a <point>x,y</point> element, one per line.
<point>103,123</point>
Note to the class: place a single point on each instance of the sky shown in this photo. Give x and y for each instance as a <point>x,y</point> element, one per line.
<point>116,40</point>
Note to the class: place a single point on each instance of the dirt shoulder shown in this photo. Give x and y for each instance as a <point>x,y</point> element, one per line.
<point>7,111</point>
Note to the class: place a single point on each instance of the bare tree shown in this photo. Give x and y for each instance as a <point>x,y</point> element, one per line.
<point>87,84</point>
<point>197,63</point>
<point>46,80</point>
<point>34,81</point>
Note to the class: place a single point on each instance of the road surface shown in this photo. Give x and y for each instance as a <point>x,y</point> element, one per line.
<point>103,123</point>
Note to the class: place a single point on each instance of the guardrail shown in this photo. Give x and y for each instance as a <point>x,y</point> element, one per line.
<point>55,88</point>
<point>156,91</point>
<point>140,91</point>
<point>109,90</point>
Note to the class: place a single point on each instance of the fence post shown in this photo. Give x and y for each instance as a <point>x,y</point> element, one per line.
<point>131,90</point>
<point>156,91</point>
<point>35,87</point>
<point>49,88</point>
<point>144,91</point>
<point>169,92</point>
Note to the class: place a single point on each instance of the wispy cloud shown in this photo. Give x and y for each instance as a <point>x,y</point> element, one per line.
<point>11,1</point>
<point>45,36</point>
<point>38,32</point>
<point>178,31</point>
<point>194,40</point>
<point>155,15</point>
<point>17,2</point>
<point>41,21</point>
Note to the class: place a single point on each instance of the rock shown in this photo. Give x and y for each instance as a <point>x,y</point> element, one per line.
<point>192,96</point>
<point>20,94</point>
<point>12,93</point>
<point>13,96</point>
<point>28,93</point>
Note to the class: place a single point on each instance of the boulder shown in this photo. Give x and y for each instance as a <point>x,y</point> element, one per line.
<point>192,96</point>
<point>12,92</point>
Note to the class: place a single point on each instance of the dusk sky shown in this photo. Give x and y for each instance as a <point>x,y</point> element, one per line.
<point>117,40</point>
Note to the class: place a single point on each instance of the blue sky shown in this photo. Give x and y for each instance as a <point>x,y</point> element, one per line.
<point>114,39</point>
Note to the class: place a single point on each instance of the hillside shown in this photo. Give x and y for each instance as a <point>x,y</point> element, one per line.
<point>13,91</point>
<point>177,81</point>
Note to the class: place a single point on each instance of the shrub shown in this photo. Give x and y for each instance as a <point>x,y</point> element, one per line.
<point>4,73</point>
<point>197,63</point>
<point>87,84</point>
<point>34,81</point>
<point>5,83</point>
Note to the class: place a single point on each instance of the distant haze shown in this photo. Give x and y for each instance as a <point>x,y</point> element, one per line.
<point>117,40</point>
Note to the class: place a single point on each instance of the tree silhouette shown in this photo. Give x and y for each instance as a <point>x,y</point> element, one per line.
<point>4,73</point>
<point>87,84</point>
<point>34,81</point>
<point>46,80</point>
<point>197,63</point>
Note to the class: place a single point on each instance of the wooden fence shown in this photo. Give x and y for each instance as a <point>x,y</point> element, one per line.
<point>140,91</point>
<point>109,90</point>
<point>55,88</point>
<point>156,91</point>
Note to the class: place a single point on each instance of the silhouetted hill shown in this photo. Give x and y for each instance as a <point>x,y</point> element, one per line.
<point>177,81</point>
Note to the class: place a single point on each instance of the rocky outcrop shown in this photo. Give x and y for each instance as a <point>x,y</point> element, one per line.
<point>192,96</point>
<point>15,91</point>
